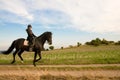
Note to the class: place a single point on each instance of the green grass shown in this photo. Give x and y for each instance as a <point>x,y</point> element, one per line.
<point>72,56</point>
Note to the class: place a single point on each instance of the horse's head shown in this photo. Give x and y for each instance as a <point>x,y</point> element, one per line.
<point>46,36</point>
<point>49,37</point>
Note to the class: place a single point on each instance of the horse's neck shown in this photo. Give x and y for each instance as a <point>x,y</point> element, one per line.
<point>41,40</point>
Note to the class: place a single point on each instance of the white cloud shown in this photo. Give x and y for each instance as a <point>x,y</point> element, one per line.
<point>94,15</point>
<point>16,7</point>
<point>98,16</point>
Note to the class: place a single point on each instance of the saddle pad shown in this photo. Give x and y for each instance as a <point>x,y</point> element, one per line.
<point>25,42</point>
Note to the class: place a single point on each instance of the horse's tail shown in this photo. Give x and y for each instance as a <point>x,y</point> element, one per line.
<point>10,49</point>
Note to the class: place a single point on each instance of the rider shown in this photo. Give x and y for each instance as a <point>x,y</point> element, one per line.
<point>30,37</point>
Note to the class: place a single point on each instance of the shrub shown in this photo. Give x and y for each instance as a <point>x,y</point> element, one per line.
<point>117,43</point>
<point>78,44</point>
<point>51,47</point>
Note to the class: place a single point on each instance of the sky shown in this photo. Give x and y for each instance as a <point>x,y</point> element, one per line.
<point>70,21</point>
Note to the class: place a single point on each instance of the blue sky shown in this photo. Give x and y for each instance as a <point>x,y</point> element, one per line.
<point>70,21</point>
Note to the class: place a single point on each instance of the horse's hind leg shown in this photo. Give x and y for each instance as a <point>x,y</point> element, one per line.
<point>14,56</point>
<point>19,54</point>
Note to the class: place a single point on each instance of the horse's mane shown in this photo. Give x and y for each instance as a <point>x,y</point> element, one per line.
<point>45,33</point>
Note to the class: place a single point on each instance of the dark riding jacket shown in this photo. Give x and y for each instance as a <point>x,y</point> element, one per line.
<point>31,36</point>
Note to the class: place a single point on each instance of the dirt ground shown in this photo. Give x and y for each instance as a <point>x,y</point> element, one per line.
<point>104,73</point>
<point>9,71</point>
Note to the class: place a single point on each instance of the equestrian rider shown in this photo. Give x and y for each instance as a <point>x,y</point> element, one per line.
<point>30,37</point>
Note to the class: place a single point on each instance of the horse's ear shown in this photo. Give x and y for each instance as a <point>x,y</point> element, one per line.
<point>49,32</point>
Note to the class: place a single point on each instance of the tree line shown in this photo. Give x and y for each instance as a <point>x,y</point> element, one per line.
<point>98,41</point>
<point>94,42</point>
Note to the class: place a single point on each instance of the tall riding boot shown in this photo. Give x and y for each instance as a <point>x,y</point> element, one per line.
<point>30,47</point>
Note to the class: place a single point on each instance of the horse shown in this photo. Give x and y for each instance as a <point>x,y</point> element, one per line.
<point>19,46</point>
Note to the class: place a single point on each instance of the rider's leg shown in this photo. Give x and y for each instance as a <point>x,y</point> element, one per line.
<point>30,44</point>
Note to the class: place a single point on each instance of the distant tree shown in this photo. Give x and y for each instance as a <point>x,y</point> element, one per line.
<point>88,43</point>
<point>61,47</point>
<point>117,43</point>
<point>105,41</point>
<point>96,42</point>
<point>51,47</point>
<point>111,42</point>
<point>78,44</point>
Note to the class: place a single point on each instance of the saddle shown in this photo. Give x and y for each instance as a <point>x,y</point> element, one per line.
<point>27,43</point>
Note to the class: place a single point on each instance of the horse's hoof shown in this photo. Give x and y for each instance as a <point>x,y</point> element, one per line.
<point>34,64</point>
<point>12,62</point>
<point>22,62</point>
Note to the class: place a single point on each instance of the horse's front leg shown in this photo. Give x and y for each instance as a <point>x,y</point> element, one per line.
<point>39,54</point>
<point>35,55</point>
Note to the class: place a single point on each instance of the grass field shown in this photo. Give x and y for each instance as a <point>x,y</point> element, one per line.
<point>60,59</point>
<point>72,56</point>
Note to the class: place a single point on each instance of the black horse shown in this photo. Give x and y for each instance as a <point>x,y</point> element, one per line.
<point>37,48</point>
